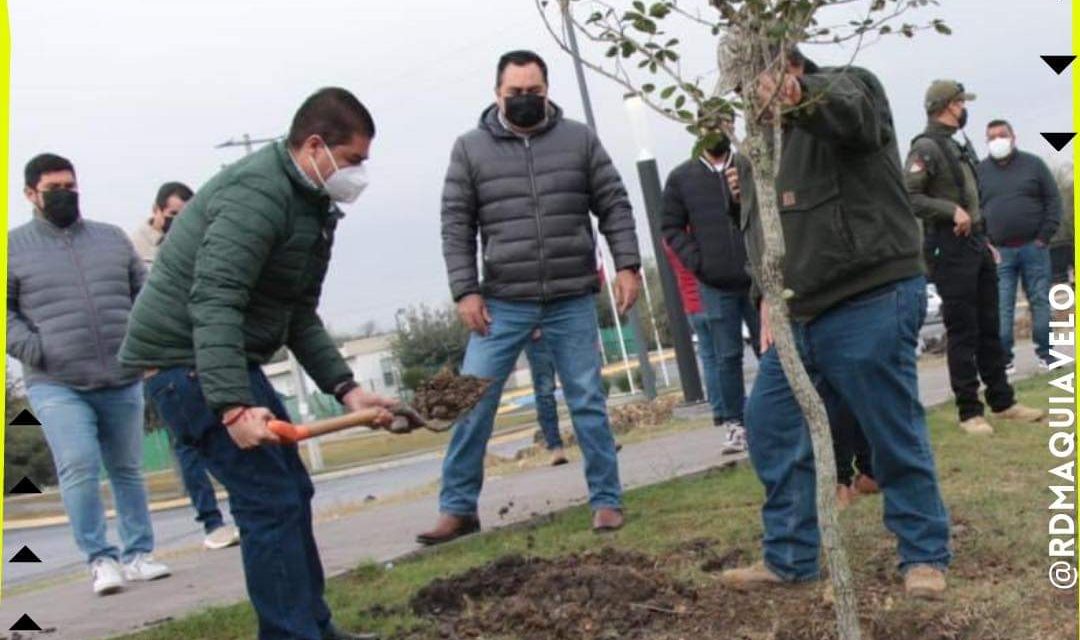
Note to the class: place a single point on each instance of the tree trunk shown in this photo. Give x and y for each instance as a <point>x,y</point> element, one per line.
<point>762,147</point>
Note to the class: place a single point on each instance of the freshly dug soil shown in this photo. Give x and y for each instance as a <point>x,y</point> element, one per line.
<point>608,594</point>
<point>612,594</point>
<point>445,396</point>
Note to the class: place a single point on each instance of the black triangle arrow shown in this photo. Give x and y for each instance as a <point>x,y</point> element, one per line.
<point>25,555</point>
<point>24,486</point>
<point>1059,140</point>
<point>1058,63</point>
<point>26,418</point>
<point>25,623</point>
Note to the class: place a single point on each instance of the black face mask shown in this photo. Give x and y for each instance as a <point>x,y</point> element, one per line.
<point>526,110</point>
<point>720,149</point>
<point>60,206</point>
<point>961,122</point>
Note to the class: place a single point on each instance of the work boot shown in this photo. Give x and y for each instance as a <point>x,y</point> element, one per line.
<point>558,457</point>
<point>449,527</point>
<point>754,576</point>
<point>924,582</point>
<point>976,426</point>
<point>607,519</point>
<point>223,537</point>
<point>1020,413</point>
<point>333,633</point>
<point>845,496</point>
<point>864,485</point>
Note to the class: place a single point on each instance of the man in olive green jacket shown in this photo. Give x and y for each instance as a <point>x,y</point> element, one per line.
<point>853,264</point>
<point>238,277</point>
<point>940,176</point>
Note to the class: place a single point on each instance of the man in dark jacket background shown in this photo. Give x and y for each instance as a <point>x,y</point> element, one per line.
<point>1022,207</point>
<point>940,176</point>
<point>698,226</point>
<point>238,278</point>
<point>854,268</point>
<point>71,284</point>
<point>526,180</point>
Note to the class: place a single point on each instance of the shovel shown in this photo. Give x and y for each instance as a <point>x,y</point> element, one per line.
<point>406,420</point>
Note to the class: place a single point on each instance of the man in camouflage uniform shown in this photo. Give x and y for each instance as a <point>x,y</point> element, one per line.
<point>940,176</point>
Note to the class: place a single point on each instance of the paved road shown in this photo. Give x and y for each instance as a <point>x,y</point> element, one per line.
<point>380,533</point>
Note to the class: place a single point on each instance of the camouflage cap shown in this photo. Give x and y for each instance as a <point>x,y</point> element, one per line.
<point>942,92</point>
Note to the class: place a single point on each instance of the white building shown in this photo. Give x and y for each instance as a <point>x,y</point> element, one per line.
<point>371,360</point>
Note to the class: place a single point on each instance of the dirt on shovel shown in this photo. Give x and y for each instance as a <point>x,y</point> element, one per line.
<point>446,395</point>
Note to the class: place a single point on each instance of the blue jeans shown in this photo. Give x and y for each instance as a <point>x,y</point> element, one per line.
<point>199,488</point>
<point>727,311</point>
<point>86,429</point>
<point>542,368</point>
<point>863,351</point>
<point>1029,265</point>
<point>270,495</point>
<point>570,330</point>
<point>700,324</point>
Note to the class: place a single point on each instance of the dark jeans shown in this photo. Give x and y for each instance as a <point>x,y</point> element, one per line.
<point>966,277</point>
<point>270,496</point>
<point>198,485</point>
<point>862,350</point>
<point>850,446</point>
<point>542,369</point>
<point>727,311</point>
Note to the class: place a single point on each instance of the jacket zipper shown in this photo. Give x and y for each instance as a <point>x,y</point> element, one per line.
<point>536,211</point>
<point>719,177</point>
<point>89,300</point>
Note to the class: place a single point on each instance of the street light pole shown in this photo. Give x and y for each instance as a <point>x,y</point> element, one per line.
<point>648,377</point>
<point>649,175</point>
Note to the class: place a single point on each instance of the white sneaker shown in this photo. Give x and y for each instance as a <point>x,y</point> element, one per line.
<point>1010,368</point>
<point>735,442</point>
<point>106,574</point>
<point>143,568</point>
<point>223,537</point>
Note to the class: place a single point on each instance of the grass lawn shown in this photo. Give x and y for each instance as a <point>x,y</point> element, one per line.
<point>656,577</point>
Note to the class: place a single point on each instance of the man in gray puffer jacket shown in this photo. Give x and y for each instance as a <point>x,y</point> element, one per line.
<point>526,180</point>
<point>71,283</point>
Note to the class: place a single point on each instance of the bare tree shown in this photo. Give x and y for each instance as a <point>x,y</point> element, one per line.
<point>753,38</point>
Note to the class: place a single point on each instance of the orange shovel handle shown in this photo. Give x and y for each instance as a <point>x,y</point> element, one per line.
<point>293,433</point>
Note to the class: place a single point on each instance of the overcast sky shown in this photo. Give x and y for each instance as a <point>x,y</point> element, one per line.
<point>137,93</point>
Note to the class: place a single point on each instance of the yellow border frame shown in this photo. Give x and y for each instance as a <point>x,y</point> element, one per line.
<point>5,120</point>
<point>1076,198</point>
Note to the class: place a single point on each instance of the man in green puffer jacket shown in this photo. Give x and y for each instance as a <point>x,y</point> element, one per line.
<point>238,277</point>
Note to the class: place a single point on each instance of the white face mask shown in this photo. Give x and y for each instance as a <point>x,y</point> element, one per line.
<point>343,185</point>
<point>1000,148</point>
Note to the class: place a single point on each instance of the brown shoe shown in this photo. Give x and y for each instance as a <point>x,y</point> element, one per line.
<point>976,426</point>
<point>845,496</point>
<point>1020,413</point>
<point>558,457</point>
<point>449,527</point>
<point>924,582</point>
<point>754,576</point>
<point>607,519</point>
<point>865,485</point>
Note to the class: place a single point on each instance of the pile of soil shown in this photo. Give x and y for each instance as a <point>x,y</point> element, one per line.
<point>622,595</point>
<point>446,395</point>
<point>608,594</point>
